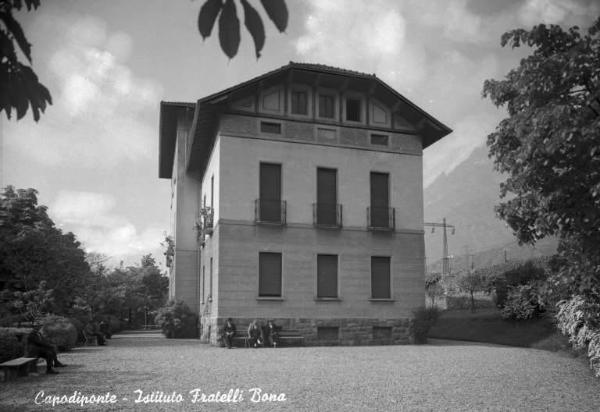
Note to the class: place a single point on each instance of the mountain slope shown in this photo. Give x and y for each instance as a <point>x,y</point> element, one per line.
<point>466,197</point>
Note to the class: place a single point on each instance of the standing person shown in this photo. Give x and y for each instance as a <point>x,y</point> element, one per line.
<point>40,347</point>
<point>255,334</point>
<point>229,333</point>
<point>272,334</point>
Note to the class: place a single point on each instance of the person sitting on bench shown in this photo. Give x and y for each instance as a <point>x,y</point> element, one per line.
<point>40,347</point>
<point>255,334</point>
<point>229,333</point>
<point>91,329</point>
<point>272,334</point>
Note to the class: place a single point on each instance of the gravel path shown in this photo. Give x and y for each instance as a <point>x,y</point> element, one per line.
<point>440,376</point>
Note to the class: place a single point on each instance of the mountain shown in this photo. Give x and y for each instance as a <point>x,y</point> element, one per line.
<point>466,197</point>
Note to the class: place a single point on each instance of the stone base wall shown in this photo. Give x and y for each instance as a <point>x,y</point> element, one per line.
<point>321,332</point>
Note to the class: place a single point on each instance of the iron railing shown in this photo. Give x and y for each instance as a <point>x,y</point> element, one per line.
<point>327,215</point>
<point>270,211</point>
<point>381,218</point>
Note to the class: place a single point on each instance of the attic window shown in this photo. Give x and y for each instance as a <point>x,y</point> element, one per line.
<point>326,106</point>
<point>270,127</point>
<point>353,109</point>
<point>299,102</point>
<point>380,139</point>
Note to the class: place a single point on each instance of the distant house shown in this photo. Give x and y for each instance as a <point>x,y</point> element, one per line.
<point>298,196</point>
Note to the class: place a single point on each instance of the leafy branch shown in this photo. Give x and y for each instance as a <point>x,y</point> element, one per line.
<point>229,24</point>
<point>19,85</point>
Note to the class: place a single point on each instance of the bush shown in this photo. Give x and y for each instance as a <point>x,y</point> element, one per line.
<point>12,343</point>
<point>579,319</point>
<point>176,320</point>
<point>423,320</point>
<point>523,302</point>
<point>60,331</point>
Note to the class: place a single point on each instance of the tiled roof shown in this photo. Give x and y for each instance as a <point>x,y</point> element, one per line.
<point>329,69</point>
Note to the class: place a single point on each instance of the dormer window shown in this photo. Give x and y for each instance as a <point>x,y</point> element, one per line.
<point>299,102</point>
<point>353,109</point>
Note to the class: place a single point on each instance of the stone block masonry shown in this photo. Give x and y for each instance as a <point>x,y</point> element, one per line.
<point>321,332</point>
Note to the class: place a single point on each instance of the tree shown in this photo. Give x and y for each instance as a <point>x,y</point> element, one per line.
<point>471,282</point>
<point>19,85</point>
<point>549,147</point>
<point>433,286</point>
<point>229,24</point>
<point>33,250</point>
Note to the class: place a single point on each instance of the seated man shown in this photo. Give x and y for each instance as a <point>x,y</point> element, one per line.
<point>255,334</point>
<point>91,329</point>
<point>229,333</point>
<point>272,334</point>
<point>104,329</point>
<point>40,347</point>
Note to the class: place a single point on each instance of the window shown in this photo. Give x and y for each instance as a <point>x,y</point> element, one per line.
<point>299,102</point>
<point>270,127</point>
<point>269,202</point>
<point>327,275</point>
<point>382,333</point>
<point>353,109</point>
<point>329,333</point>
<point>269,274</point>
<point>326,106</point>
<point>210,283</point>
<point>327,208</point>
<point>203,289</point>
<point>212,191</point>
<point>379,213</point>
<point>380,139</point>
<point>380,277</point>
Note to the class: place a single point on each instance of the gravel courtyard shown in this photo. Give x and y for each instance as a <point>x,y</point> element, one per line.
<point>439,376</point>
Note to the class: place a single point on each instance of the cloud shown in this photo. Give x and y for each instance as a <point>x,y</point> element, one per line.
<point>371,38</point>
<point>97,120</point>
<point>91,216</point>
<point>567,12</point>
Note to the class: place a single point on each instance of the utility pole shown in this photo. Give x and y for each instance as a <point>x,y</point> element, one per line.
<point>445,257</point>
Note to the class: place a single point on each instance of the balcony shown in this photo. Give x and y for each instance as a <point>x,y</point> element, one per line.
<point>381,218</point>
<point>327,215</point>
<point>269,211</point>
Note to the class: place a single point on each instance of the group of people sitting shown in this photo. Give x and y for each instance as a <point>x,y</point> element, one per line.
<point>99,330</point>
<point>267,335</point>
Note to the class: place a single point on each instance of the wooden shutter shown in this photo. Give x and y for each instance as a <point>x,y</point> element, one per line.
<point>270,192</point>
<point>380,199</point>
<point>327,275</point>
<point>326,196</point>
<point>269,274</point>
<point>380,277</point>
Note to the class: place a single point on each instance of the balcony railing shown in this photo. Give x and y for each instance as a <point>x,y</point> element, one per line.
<point>381,218</point>
<point>327,215</point>
<point>270,211</point>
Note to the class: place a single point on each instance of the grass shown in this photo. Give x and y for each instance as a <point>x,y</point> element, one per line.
<point>486,325</point>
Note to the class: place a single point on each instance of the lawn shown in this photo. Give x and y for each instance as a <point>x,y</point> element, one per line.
<point>439,376</point>
<point>486,325</point>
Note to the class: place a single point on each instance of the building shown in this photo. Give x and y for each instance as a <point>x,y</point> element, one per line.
<point>298,196</point>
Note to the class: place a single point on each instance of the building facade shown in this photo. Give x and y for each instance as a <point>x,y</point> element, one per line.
<point>298,196</point>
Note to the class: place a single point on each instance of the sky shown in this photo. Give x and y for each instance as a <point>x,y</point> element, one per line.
<point>93,156</point>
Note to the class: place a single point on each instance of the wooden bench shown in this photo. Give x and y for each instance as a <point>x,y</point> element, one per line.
<point>18,367</point>
<point>289,337</point>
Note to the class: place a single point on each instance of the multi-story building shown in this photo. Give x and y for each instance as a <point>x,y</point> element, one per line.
<point>298,196</point>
